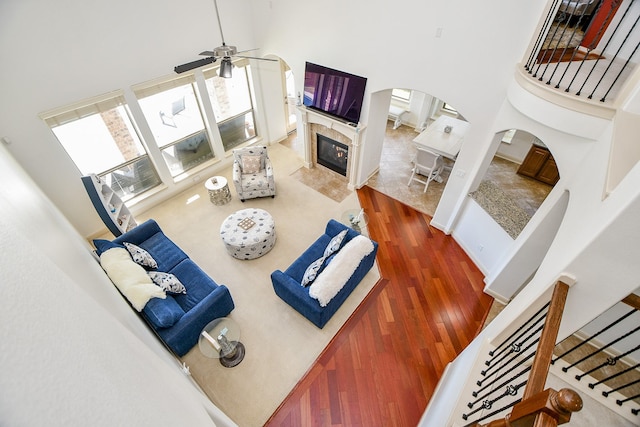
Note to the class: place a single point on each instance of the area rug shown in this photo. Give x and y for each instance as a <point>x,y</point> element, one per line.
<point>504,210</point>
<point>323,181</point>
<point>281,345</point>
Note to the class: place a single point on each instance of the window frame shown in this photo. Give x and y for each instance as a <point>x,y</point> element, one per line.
<point>94,106</point>
<point>164,84</point>
<point>210,73</point>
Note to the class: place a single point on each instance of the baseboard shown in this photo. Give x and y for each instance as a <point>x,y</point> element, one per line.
<point>496,296</point>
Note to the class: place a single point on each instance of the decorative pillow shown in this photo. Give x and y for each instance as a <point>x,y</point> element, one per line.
<point>311,272</point>
<point>163,313</point>
<point>168,282</point>
<point>315,267</point>
<point>130,278</point>
<point>103,245</point>
<point>335,243</point>
<point>250,164</point>
<point>140,256</point>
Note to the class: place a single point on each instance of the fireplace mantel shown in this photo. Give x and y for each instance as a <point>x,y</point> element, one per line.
<point>352,133</point>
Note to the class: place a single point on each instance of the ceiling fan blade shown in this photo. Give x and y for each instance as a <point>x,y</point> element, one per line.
<point>207,53</point>
<point>195,64</point>
<point>248,50</point>
<point>255,57</point>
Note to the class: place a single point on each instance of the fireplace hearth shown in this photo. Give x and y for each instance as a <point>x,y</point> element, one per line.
<point>332,154</point>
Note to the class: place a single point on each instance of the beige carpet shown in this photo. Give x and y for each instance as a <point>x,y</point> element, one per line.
<point>281,345</point>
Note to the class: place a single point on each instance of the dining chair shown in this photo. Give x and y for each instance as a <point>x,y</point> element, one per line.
<point>427,164</point>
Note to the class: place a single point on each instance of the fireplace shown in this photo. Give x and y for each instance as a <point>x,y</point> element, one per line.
<point>333,145</point>
<point>332,154</point>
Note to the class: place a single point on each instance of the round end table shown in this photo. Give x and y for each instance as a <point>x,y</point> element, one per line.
<point>355,218</point>
<point>218,189</point>
<point>220,339</point>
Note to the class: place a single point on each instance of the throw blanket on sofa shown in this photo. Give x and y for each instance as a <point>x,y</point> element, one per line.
<point>130,278</point>
<point>340,269</point>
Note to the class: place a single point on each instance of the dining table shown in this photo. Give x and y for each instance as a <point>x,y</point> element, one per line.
<point>444,136</point>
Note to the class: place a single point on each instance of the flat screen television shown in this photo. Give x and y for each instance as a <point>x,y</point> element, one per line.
<point>334,92</point>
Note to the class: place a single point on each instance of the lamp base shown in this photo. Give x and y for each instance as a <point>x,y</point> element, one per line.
<point>235,357</point>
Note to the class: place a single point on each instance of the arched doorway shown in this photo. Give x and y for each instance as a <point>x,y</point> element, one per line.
<point>518,179</point>
<point>410,113</point>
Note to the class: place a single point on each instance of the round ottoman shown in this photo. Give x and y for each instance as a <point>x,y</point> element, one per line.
<point>248,233</point>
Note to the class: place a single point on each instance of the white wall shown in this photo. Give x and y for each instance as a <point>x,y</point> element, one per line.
<point>75,354</point>
<point>518,148</point>
<point>481,237</point>
<point>56,53</point>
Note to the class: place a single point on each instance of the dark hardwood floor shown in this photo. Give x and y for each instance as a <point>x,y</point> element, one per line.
<point>383,365</point>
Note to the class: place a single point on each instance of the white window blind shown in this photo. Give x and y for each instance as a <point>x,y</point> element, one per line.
<point>82,109</point>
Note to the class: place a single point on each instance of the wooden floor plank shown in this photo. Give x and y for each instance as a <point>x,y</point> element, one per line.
<point>384,364</point>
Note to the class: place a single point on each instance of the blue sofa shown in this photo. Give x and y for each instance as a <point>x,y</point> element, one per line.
<point>178,319</point>
<point>287,284</point>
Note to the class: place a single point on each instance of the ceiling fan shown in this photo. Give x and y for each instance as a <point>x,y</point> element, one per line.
<point>224,53</point>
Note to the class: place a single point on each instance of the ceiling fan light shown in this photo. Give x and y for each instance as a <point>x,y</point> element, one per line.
<point>225,68</point>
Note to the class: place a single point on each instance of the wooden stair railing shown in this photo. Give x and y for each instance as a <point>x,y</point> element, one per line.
<point>539,407</point>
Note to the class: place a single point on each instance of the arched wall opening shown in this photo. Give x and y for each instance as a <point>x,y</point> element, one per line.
<point>516,180</point>
<point>398,116</point>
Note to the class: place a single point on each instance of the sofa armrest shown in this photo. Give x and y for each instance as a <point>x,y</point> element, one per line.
<point>294,294</point>
<point>140,233</point>
<point>182,336</point>
<point>237,173</point>
<point>268,167</point>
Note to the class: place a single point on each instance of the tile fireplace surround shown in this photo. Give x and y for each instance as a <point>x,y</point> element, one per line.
<point>316,123</point>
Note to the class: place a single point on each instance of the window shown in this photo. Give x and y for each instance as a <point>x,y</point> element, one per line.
<point>100,138</point>
<point>175,118</point>
<point>449,108</point>
<point>401,94</point>
<point>232,105</point>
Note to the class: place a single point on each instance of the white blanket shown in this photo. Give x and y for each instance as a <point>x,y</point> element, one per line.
<point>130,278</point>
<point>340,269</point>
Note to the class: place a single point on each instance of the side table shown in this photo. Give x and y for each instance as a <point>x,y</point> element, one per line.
<point>218,189</point>
<point>355,218</point>
<point>220,339</point>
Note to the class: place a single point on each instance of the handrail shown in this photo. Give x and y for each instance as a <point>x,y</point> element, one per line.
<point>542,359</point>
<point>539,407</point>
<point>632,300</point>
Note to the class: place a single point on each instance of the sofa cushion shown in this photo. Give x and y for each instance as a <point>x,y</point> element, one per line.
<point>140,256</point>
<point>130,278</point>
<point>163,313</point>
<point>335,275</point>
<point>167,281</point>
<point>164,251</point>
<point>196,281</point>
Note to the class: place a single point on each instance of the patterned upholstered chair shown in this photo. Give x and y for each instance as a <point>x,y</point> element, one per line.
<point>252,173</point>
